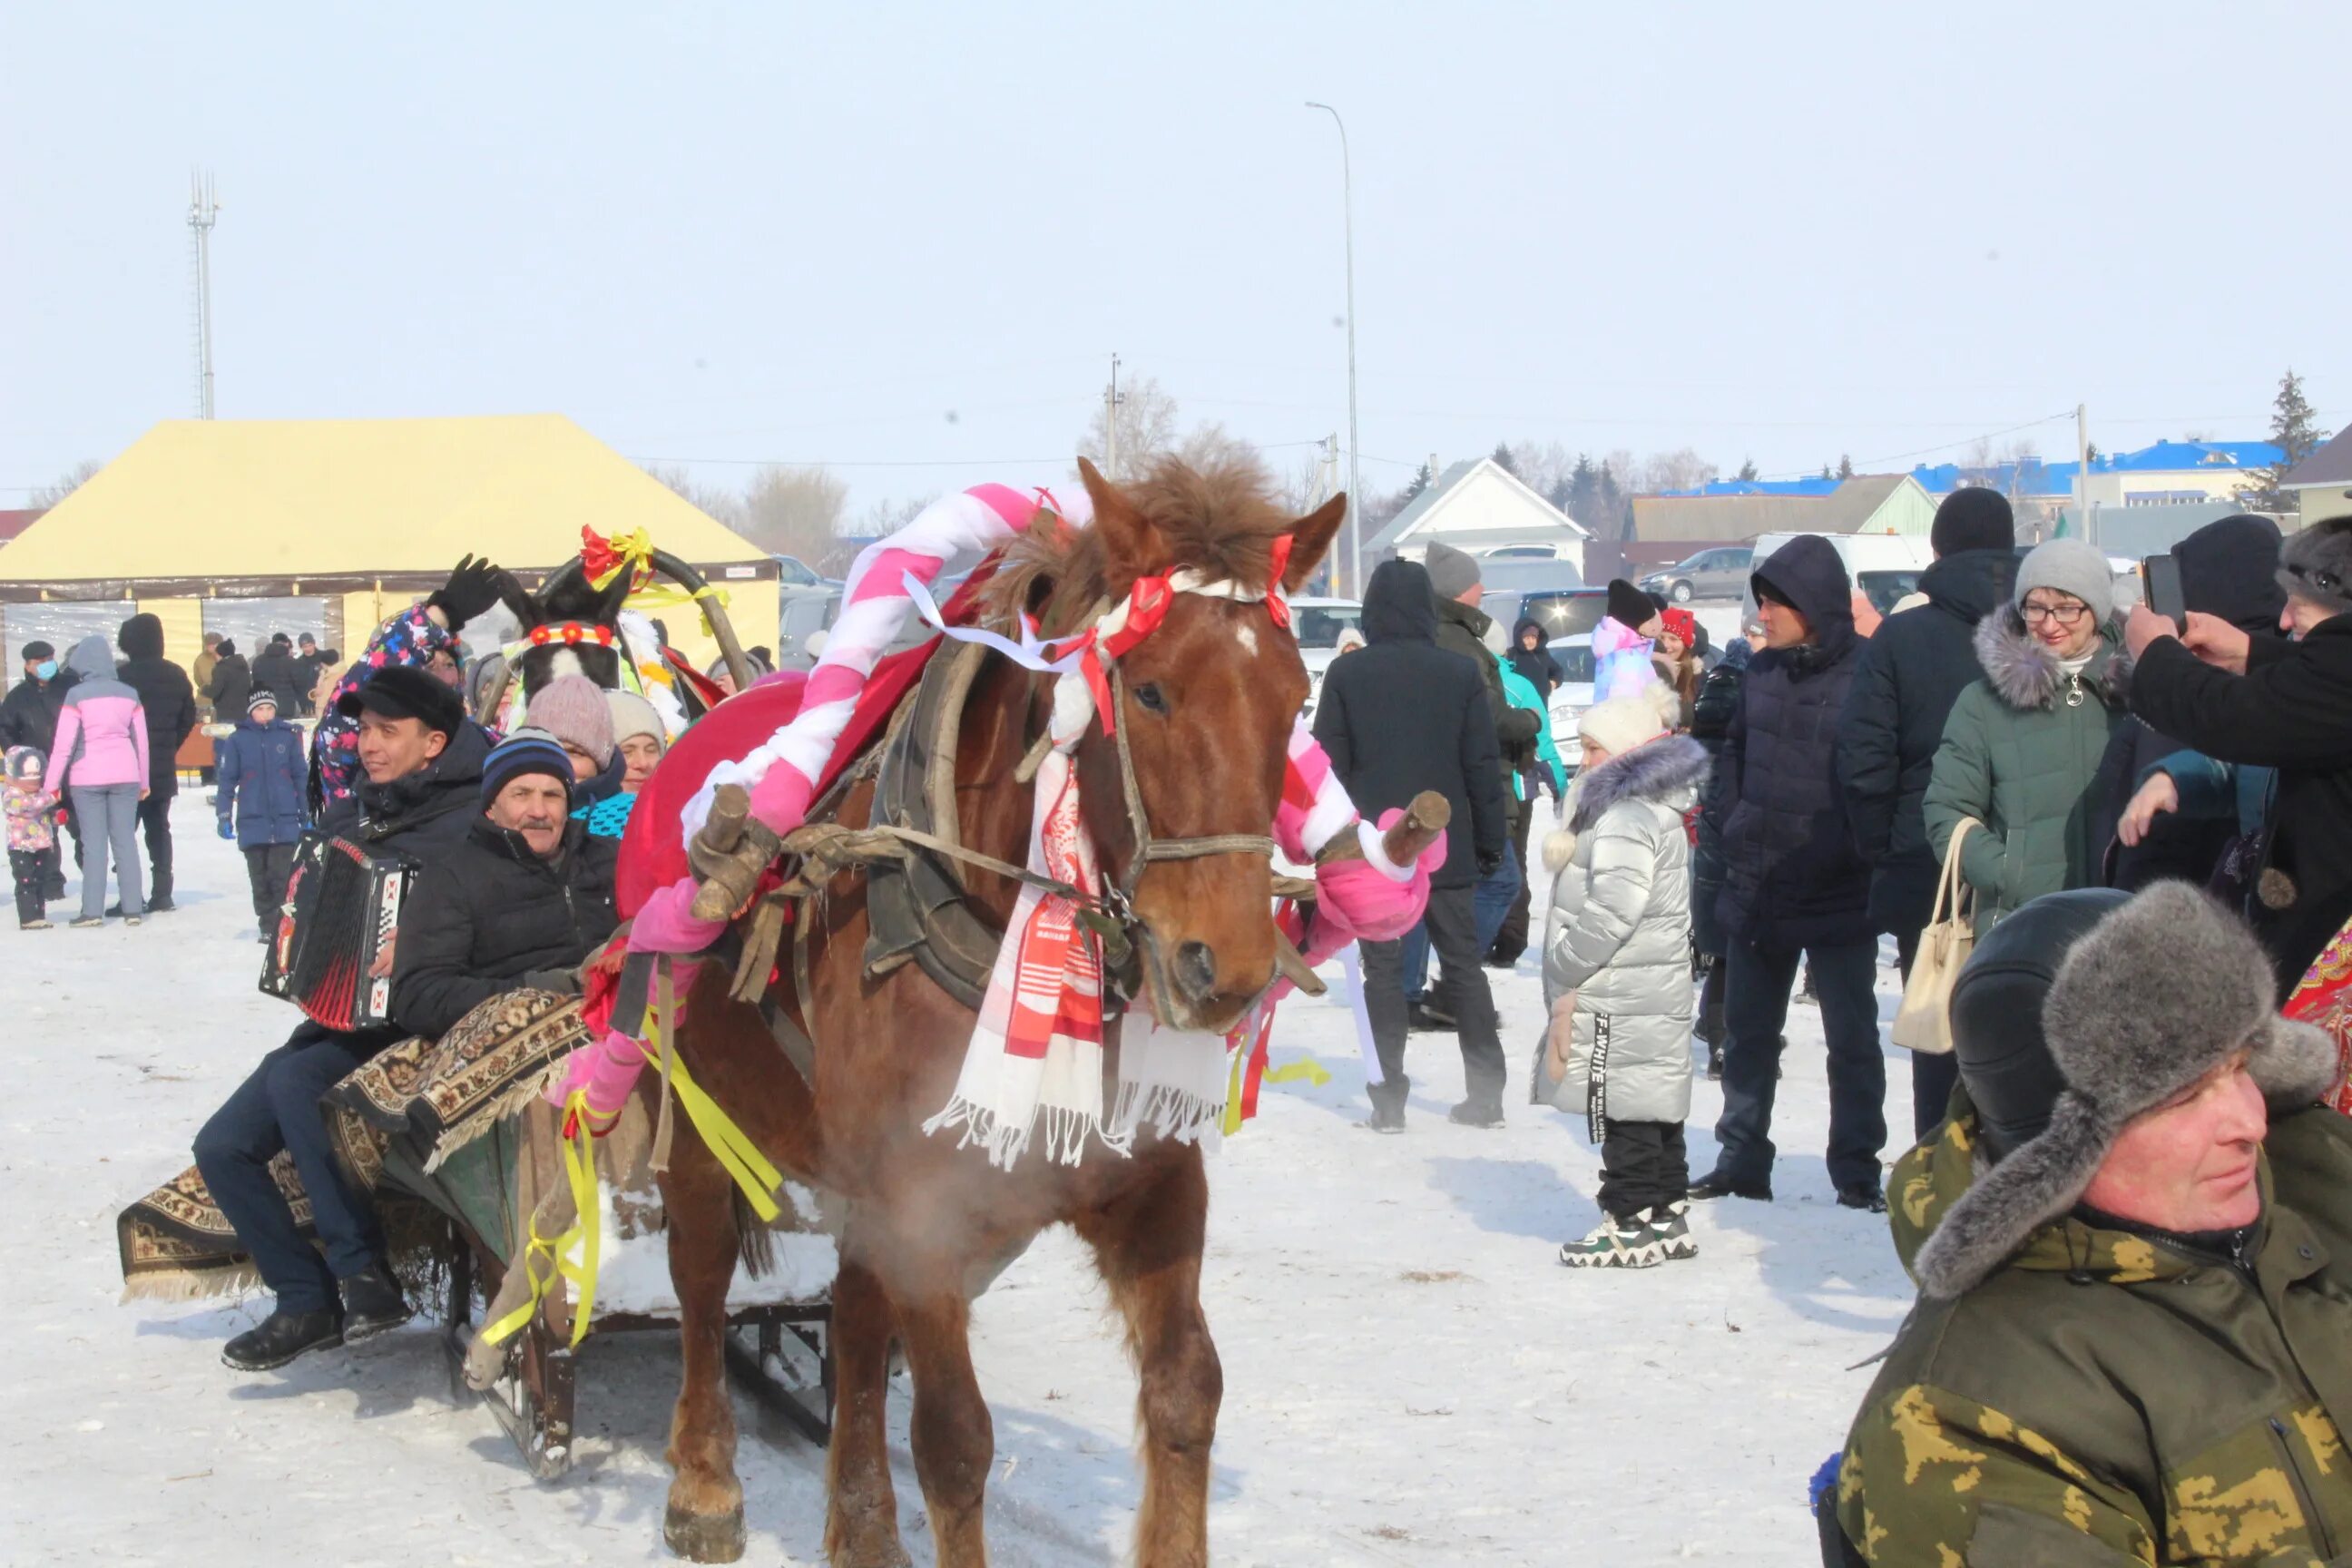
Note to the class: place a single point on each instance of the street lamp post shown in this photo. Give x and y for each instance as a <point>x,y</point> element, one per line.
<point>1355,476</point>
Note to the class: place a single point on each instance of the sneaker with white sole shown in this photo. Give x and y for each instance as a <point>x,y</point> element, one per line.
<point>1670,1226</point>
<point>1616,1243</point>
<point>85,922</point>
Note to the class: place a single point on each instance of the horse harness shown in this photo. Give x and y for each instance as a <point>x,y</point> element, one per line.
<point>918,908</point>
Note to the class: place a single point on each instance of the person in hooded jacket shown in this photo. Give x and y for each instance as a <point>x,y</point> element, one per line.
<point>2022,749</point>
<point>1617,975</point>
<point>231,686</point>
<point>2180,811</point>
<point>1795,889</point>
<point>422,762</point>
<point>2132,1240</point>
<point>276,671</point>
<point>1531,656</point>
<point>102,756</point>
<point>261,802</point>
<point>1543,772</point>
<point>1398,717</point>
<point>1906,681</point>
<point>169,698</point>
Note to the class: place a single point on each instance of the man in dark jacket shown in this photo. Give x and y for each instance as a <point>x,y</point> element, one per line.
<point>1531,656</point>
<point>308,660</point>
<point>1399,717</point>
<point>1905,679</point>
<point>424,764</point>
<point>169,700</point>
<point>274,671</point>
<point>231,686</point>
<point>1795,889</point>
<point>2291,708</point>
<point>260,802</point>
<point>1463,629</point>
<point>514,907</point>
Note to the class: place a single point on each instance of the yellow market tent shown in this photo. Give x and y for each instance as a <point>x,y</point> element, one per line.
<point>331,525</point>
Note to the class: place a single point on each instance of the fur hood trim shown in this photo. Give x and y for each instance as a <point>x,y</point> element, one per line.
<point>1669,771</point>
<point>2155,997</point>
<point>2028,677</point>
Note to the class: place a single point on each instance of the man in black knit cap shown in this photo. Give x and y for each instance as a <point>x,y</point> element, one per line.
<point>1909,674</point>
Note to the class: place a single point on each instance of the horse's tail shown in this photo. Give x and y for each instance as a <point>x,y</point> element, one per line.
<point>755,1244</point>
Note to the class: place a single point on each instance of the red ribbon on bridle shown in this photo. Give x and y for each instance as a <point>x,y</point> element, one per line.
<point>1148,603</point>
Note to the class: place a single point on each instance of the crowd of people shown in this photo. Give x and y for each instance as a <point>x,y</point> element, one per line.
<point>2130,1175</point>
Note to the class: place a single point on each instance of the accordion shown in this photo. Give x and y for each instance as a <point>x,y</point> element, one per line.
<point>340,906</point>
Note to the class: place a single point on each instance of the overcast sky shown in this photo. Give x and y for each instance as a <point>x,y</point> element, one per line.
<point>906,240</point>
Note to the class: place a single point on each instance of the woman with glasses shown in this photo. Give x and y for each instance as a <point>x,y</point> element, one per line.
<point>2022,750</point>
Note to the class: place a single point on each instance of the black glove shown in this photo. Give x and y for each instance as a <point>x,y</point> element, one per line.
<point>1490,862</point>
<point>472,587</point>
<point>562,982</point>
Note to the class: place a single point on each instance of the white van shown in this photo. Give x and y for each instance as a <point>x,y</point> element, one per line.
<point>1884,566</point>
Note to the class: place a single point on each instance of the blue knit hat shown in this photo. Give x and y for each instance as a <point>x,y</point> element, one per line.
<point>525,752</point>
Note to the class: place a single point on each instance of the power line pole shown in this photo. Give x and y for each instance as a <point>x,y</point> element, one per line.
<point>2083,456</point>
<point>1111,400</point>
<point>1355,443</point>
<point>203,213</point>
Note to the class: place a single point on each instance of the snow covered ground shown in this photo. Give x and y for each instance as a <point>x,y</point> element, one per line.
<point>1411,1377</point>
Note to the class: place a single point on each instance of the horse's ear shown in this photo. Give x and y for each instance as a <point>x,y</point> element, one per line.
<point>1132,546</point>
<point>1310,538</point>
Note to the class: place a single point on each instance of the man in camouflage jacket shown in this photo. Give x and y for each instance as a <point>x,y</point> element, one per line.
<point>2078,1385</point>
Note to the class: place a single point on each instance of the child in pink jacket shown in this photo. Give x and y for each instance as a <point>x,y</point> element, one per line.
<point>32,814</point>
<point>101,757</point>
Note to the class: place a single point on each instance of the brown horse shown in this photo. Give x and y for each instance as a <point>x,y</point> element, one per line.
<point>1208,701</point>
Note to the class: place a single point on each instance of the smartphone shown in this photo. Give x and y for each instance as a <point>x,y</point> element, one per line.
<point>2160,577</point>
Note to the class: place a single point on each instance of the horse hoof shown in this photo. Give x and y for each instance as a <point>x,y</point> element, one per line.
<point>704,1537</point>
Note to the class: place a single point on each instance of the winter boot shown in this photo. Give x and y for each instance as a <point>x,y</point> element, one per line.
<point>373,1304</point>
<point>1474,1112</point>
<point>1671,1229</point>
<point>279,1338</point>
<point>1627,1243</point>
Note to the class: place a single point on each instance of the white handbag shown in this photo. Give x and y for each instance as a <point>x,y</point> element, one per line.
<point>1924,1022</point>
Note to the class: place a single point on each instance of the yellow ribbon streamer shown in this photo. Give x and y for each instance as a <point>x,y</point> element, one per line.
<point>546,1259</point>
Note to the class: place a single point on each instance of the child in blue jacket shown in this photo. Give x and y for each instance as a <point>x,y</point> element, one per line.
<point>262,801</point>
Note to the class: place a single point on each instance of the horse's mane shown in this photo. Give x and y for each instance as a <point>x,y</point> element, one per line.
<point>1221,519</point>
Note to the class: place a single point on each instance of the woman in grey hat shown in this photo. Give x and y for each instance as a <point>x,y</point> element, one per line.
<point>2022,750</point>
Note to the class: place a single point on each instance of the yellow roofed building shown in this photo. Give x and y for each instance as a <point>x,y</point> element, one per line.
<point>329,526</point>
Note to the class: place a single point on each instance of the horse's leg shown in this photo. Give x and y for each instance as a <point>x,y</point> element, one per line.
<point>1146,1242</point>
<point>861,1525</point>
<point>705,1518</point>
<point>953,1440</point>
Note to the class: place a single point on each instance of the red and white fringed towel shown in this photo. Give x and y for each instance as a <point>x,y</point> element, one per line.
<point>1036,1051</point>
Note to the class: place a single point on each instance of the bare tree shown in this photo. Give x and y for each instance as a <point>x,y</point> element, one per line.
<point>1147,426</point>
<point>1544,466</point>
<point>1306,484</point>
<point>723,504</point>
<point>793,512</point>
<point>1681,470</point>
<point>72,479</point>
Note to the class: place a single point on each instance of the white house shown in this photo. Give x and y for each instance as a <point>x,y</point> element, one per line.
<point>1480,507</point>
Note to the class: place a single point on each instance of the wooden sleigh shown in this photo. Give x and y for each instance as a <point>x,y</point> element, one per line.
<point>779,1344</point>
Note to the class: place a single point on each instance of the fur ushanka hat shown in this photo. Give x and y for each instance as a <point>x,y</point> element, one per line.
<point>2153,998</point>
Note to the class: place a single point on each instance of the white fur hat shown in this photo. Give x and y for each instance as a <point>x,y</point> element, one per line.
<point>1623,723</point>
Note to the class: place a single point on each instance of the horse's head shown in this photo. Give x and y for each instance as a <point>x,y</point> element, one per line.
<point>1206,705</point>
<point>565,601</point>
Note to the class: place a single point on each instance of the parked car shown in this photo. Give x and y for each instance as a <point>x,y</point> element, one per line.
<point>1572,696</point>
<point>1719,573</point>
<point>1563,613</point>
<point>1318,623</point>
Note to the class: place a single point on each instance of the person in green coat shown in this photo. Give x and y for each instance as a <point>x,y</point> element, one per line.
<point>2133,1238</point>
<point>2021,750</point>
